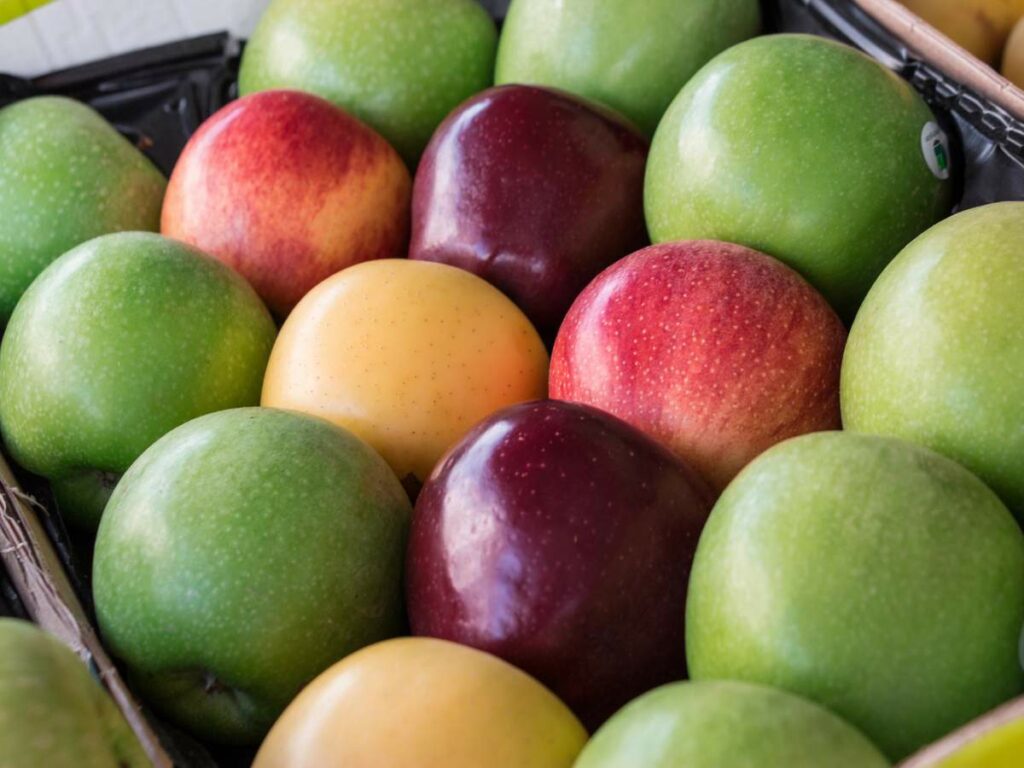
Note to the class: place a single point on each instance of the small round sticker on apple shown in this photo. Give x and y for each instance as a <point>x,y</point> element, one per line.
<point>935,146</point>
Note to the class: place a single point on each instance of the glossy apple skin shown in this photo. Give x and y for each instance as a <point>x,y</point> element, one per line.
<point>66,176</point>
<point>803,148</point>
<point>399,65</point>
<point>54,712</point>
<point>118,342</point>
<point>409,355</point>
<point>288,189</point>
<point>632,57</point>
<point>535,191</point>
<point>423,703</point>
<point>560,539</point>
<point>242,555</point>
<point>936,354</point>
<point>714,349</point>
<point>727,723</point>
<point>871,575</point>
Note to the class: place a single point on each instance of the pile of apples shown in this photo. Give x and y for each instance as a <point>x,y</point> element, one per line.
<point>403,445</point>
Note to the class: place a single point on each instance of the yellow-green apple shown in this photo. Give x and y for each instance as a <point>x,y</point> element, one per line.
<point>535,191</point>
<point>936,354</point>
<point>409,355</point>
<point>116,343</point>
<point>718,723</point>
<point>423,703</point>
<point>399,65</point>
<point>52,712</point>
<point>714,349</point>
<point>240,556</point>
<point>560,539</point>
<point>871,575</point>
<point>66,176</point>
<point>288,189</point>
<point>805,149</point>
<point>994,740</point>
<point>632,57</point>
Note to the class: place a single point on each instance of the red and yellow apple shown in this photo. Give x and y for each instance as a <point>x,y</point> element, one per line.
<point>423,703</point>
<point>717,350</point>
<point>408,355</point>
<point>288,189</point>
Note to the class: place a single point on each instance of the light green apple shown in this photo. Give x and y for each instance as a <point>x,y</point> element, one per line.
<point>632,57</point>
<point>723,723</point>
<point>52,712</point>
<point>66,176</point>
<point>874,576</point>
<point>116,343</point>
<point>399,65</point>
<point>936,354</point>
<point>805,149</point>
<point>240,556</point>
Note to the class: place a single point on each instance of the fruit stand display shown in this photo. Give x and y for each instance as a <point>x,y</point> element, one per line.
<point>280,463</point>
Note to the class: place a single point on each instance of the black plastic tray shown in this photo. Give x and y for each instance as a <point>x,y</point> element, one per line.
<point>159,96</point>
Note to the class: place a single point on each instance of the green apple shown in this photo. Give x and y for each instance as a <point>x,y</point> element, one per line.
<point>66,176</point>
<point>805,149</point>
<point>116,343</point>
<point>871,575</point>
<point>936,354</point>
<point>399,65</point>
<point>713,724</point>
<point>632,57</point>
<point>240,556</point>
<point>52,712</point>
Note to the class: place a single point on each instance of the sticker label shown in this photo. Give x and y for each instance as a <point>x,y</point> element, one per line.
<point>935,146</point>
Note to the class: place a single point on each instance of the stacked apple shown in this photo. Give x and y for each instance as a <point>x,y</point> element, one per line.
<point>274,506</point>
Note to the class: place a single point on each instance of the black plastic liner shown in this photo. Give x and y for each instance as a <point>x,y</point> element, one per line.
<point>159,96</point>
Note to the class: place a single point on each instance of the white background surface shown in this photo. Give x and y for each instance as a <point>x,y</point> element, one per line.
<point>70,32</point>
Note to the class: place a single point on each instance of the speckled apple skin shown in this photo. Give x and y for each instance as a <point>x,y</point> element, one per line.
<point>936,354</point>
<point>803,148</point>
<point>254,545</point>
<point>632,57</point>
<point>53,712</point>
<point>287,189</point>
<point>535,191</point>
<point>871,575</point>
<point>399,65</point>
<point>409,355</point>
<point>560,539</point>
<point>714,349</point>
<point>417,702</point>
<point>711,724</point>
<point>66,176</point>
<point>118,342</point>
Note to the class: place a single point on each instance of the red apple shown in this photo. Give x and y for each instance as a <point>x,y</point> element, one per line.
<point>288,189</point>
<point>534,190</point>
<point>560,539</point>
<point>716,350</point>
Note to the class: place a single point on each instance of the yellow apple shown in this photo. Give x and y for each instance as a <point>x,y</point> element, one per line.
<point>423,703</point>
<point>1013,56</point>
<point>980,26</point>
<point>993,741</point>
<point>408,355</point>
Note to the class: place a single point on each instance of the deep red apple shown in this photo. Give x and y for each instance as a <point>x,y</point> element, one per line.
<point>288,189</point>
<point>560,539</point>
<point>534,190</point>
<point>716,350</point>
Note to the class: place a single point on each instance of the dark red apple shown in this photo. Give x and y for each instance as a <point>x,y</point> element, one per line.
<point>534,190</point>
<point>560,538</point>
<point>716,350</point>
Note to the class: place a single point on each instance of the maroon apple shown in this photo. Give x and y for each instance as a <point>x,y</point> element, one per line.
<point>716,350</point>
<point>534,190</point>
<point>560,539</point>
